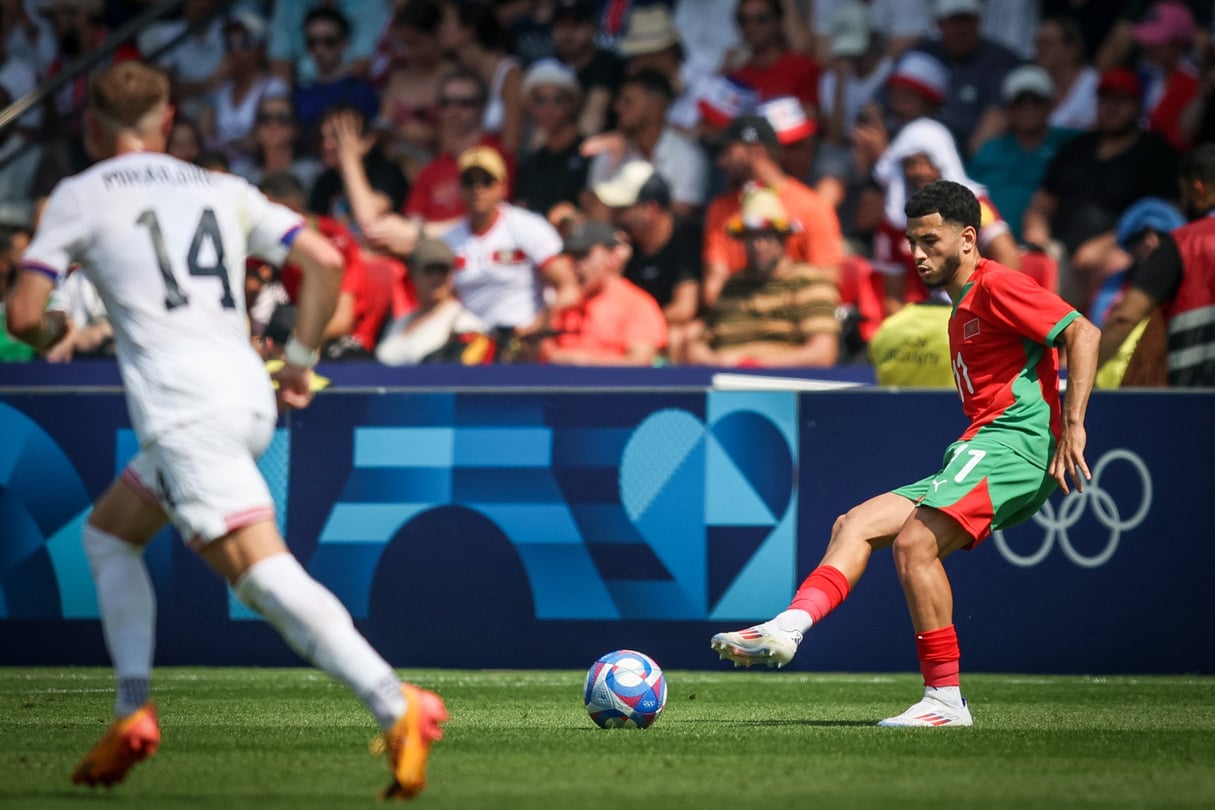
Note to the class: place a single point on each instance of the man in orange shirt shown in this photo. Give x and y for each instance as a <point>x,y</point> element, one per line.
<point>617,323</point>
<point>749,155</point>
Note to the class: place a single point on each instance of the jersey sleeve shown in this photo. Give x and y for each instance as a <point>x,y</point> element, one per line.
<point>539,239</point>
<point>1020,304</point>
<point>270,228</point>
<point>61,238</point>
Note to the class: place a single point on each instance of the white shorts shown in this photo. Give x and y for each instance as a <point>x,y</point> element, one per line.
<point>204,475</point>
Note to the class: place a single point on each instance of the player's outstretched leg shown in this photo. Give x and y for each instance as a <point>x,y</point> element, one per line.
<point>128,740</point>
<point>941,706</point>
<point>407,743</point>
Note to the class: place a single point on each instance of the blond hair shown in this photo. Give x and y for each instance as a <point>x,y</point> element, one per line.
<point>124,93</point>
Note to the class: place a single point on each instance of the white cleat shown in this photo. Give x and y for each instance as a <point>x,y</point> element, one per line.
<point>757,645</point>
<point>931,712</point>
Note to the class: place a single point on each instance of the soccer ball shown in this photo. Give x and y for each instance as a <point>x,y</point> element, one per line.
<point>625,689</point>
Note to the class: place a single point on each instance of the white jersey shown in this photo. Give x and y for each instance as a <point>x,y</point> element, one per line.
<point>496,271</point>
<point>164,242</point>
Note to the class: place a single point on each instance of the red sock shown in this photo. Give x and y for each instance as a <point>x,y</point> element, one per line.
<point>939,655</point>
<point>821,593</point>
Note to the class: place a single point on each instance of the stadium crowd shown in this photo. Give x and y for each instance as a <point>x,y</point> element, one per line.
<point>636,182</point>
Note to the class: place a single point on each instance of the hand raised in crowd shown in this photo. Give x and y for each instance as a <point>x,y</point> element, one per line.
<point>393,234</point>
<point>352,143</point>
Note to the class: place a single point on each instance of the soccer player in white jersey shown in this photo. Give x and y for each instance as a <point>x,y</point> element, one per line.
<point>165,243</point>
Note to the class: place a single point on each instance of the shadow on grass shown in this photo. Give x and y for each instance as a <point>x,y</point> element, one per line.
<point>776,722</point>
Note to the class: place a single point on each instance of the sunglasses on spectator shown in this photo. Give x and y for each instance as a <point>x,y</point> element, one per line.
<point>545,99</point>
<point>436,269</point>
<point>330,41</point>
<point>275,118</point>
<point>464,102</point>
<point>477,180</point>
<point>760,19</point>
<point>240,41</point>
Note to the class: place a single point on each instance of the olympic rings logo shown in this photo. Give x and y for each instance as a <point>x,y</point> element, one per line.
<point>1105,509</point>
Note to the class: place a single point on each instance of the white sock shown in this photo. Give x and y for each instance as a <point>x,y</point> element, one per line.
<point>790,621</point>
<point>950,695</point>
<point>128,613</point>
<point>318,627</point>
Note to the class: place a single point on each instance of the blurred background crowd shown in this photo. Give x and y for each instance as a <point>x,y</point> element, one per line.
<point>639,182</point>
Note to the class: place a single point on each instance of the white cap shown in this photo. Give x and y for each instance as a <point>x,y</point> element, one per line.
<point>634,182</point>
<point>1028,79</point>
<point>850,29</point>
<point>550,71</point>
<point>922,73</point>
<point>952,8</point>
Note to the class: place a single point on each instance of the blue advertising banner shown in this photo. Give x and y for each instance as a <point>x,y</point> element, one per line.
<point>540,528</point>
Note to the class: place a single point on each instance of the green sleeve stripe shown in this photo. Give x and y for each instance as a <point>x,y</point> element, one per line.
<point>1060,326</point>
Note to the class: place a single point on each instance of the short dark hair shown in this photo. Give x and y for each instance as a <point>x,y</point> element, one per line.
<point>652,82</point>
<point>953,201</point>
<point>1199,164</point>
<point>283,185</point>
<point>329,15</point>
<point>459,73</point>
<point>420,15</point>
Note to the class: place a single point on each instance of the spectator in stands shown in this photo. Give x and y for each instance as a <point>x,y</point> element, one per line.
<point>1110,27</point>
<point>290,56</point>
<point>20,153</point>
<point>644,134</point>
<point>1061,51</point>
<point>555,172</point>
<point>436,198</point>
<point>439,317</point>
<point>900,24</point>
<point>409,100</point>
<point>229,124</point>
<point>599,71</point>
<point>615,323</point>
<point>1092,180</point>
<point>1013,24</point>
<point>1180,277</point>
<point>653,44</point>
<point>977,69</point>
<point>185,139</point>
<point>1011,166</point>
<point>706,35</point>
<point>1166,36</point>
<point>665,260</point>
<point>276,139</point>
<point>26,36</point>
<point>748,157</point>
<point>921,154</point>
<point>857,67</point>
<point>911,347</point>
<point>796,135</point>
<point>771,68</point>
<point>197,64</point>
<point>471,32</point>
<point>327,33</point>
<point>777,312</point>
<point>507,258</point>
<point>1141,230</point>
<point>359,185</point>
<point>363,302</point>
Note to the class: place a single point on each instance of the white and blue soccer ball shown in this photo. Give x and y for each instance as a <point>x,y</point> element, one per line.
<point>625,689</point>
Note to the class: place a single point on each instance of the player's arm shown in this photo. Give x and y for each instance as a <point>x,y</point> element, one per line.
<point>1080,338</point>
<point>321,264</point>
<point>26,314</point>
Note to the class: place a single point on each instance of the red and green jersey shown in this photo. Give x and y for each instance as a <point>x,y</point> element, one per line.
<point>1001,340</point>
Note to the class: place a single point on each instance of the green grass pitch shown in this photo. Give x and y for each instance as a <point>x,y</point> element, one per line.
<point>290,738</point>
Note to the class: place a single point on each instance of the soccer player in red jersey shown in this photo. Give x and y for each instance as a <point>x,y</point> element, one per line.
<point>1020,444</point>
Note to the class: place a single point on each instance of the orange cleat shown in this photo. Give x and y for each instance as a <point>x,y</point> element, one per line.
<point>407,744</point>
<point>128,740</point>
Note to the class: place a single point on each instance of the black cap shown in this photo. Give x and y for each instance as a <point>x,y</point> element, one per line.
<point>751,129</point>
<point>586,235</point>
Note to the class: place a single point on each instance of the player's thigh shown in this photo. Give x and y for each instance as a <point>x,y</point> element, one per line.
<point>205,475</point>
<point>981,481</point>
<point>128,511</point>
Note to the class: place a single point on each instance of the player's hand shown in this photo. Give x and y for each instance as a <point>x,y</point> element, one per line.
<point>1069,460</point>
<point>394,234</point>
<point>294,386</point>
<point>59,323</point>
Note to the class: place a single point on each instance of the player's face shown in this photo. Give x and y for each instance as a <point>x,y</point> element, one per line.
<point>592,268</point>
<point>938,248</point>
